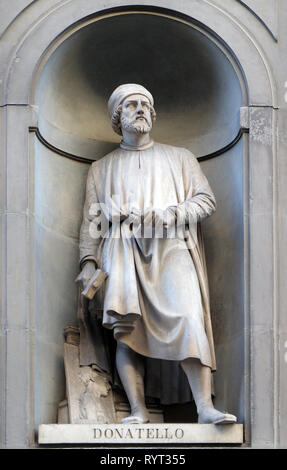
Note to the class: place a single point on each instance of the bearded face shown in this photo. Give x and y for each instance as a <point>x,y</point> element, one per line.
<point>136,114</point>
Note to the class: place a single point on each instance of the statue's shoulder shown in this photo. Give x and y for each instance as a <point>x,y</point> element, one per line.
<point>102,162</point>
<point>175,151</point>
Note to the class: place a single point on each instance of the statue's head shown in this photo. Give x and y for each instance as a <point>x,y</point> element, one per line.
<point>131,108</point>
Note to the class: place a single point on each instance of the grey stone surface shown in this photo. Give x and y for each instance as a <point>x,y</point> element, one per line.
<point>53,312</point>
<point>281,240</point>
<point>224,233</point>
<point>59,193</point>
<point>18,335</point>
<point>2,349</point>
<point>17,432</point>
<point>17,257</point>
<point>141,434</point>
<point>262,305</point>
<point>267,12</point>
<point>25,41</point>
<point>8,15</point>
<point>17,163</point>
<point>262,14</point>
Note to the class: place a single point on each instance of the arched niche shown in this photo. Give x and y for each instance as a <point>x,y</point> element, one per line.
<point>196,88</point>
<point>198,92</point>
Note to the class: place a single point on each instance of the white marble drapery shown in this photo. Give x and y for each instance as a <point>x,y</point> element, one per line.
<point>156,296</point>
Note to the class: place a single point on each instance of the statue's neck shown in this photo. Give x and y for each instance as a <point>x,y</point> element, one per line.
<point>134,140</point>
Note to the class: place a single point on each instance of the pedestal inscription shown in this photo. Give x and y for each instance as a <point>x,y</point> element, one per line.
<point>161,433</point>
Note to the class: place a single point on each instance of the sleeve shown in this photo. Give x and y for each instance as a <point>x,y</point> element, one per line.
<point>199,198</point>
<point>88,241</point>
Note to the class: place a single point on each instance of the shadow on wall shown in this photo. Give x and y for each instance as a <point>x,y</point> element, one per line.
<point>197,92</point>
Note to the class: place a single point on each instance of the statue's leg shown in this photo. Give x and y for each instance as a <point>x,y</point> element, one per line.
<point>130,368</point>
<point>199,378</point>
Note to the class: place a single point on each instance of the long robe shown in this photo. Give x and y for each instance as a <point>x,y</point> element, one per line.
<point>155,299</point>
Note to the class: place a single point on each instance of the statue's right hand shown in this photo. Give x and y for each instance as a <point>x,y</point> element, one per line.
<point>86,274</point>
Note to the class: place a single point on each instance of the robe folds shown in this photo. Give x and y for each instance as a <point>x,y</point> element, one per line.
<point>155,299</point>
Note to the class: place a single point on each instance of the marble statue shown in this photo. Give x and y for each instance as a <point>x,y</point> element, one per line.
<point>141,227</point>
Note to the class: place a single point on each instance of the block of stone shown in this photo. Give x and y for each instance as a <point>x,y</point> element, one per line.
<point>161,433</point>
<point>89,394</point>
<point>72,335</point>
<point>63,412</point>
<point>94,284</point>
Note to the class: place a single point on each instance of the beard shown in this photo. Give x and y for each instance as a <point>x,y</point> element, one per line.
<point>138,126</point>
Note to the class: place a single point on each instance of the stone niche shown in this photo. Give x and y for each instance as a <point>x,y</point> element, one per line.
<point>198,94</point>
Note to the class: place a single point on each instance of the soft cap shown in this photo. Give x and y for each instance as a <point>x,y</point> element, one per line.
<point>123,91</point>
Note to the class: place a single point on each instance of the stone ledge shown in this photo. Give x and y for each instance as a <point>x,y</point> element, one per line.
<point>161,433</point>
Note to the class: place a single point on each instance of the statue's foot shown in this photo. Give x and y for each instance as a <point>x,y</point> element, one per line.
<point>210,415</point>
<point>136,417</point>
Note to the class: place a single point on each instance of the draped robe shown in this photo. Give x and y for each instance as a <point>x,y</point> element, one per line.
<point>155,299</point>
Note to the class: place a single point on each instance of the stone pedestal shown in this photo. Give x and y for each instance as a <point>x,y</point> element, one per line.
<point>160,433</point>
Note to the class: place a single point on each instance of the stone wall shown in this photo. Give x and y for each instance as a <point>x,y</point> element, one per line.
<point>252,42</point>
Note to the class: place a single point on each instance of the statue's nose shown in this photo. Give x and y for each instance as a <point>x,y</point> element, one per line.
<point>140,109</point>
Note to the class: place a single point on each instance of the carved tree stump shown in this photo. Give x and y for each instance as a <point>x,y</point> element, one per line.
<point>89,394</point>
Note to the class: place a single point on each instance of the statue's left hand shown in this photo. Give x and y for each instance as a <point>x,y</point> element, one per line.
<point>86,274</point>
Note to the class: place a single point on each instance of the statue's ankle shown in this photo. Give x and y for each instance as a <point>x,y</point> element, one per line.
<point>205,407</point>
<point>140,410</point>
